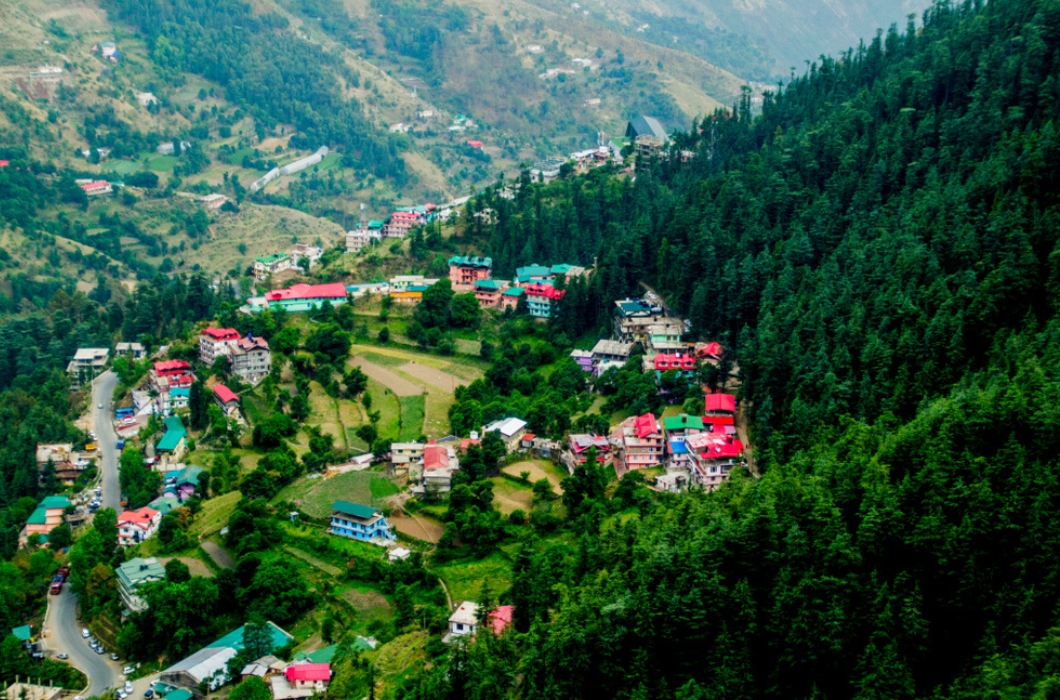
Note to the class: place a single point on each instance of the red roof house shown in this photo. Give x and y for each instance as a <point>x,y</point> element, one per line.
<point>333,290</point>
<point>719,402</point>
<point>169,368</point>
<point>668,361</point>
<point>544,290</point>
<point>225,395</point>
<point>646,425</point>
<point>475,144</point>
<point>710,350</point>
<point>4,163</point>
<point>435,457</point>
<point>221,333</point>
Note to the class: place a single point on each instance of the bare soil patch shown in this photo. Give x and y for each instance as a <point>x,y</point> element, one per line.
<point>415,526</point>
<point>435,377</point>
<point>396,384</point>
<point>537,471</point>
<point>366,600</point>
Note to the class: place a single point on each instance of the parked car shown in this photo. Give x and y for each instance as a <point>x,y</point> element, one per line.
<point>127,670</point>
<point>128,687</point>
<point>85,633</point>
<point>149,693</point>
<point>122,695</point>
<point>100,650</point>
<point>100,406</point>
<point>64,656</point>
<point>113,656</point>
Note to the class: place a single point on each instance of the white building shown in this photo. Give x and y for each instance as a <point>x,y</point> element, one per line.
<point>464,621</point>
<point>87,363</point>
<point>511,431</point>
<point>302,251</point>
<point>216,342</point>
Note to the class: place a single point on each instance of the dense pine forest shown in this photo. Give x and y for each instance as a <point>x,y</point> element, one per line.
<point>878,250</point>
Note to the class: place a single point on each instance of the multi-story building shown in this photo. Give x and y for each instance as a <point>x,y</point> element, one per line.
<point>641,442</point>
<point>718,404</point>
<point>46,517</point>
<point>87,363</point>
<point>271,264</point>
<point>305,297</point>
<point>465,271</point>
<point>132,575</point>
<point>533,274</point>
<point>301,251</point>
<point>584,358</point>
<point>359,522</point>
<point>510,297</point>
<point>712,458</point>
<point>633,317</point>
<point>681,426</point>
<point>401,222</point>
<point>135,526</point>
<point>133,351</point>
<point>251,359</point>
<point>216,342</point>
<point>406,453</point>
<point>610,352</point>
<point>540,298</point>
<point>489,293</point>
<point>578,447</point>
<point>511,431</point>
<point>167,376</point>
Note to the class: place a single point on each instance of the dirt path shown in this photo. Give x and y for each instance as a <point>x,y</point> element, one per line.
<point>221,557</point>
<point>435,377</point>
<point>197,567</point>
<point>399,385</point>
<point>313,561</point>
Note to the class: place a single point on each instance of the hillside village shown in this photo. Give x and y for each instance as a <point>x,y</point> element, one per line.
<point>369,454</point>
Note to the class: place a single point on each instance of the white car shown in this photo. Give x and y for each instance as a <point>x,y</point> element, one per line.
<point>127,670</point>
<point>85,633</point>
<point>122,695</point>
<point>128,687</point>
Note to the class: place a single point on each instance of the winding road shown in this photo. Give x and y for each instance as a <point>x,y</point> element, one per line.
<point>60,621</point>
<point>64,635</point>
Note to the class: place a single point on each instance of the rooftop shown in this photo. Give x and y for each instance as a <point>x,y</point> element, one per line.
<point>506,426</point>
<point>140,570</point>
<point>466,614</point>
<point>683,422</point>
<point>354,509</point>
<point>488,285</point>
<point>471,261</point>
<point>225,394</point>
<point>221,333</point>
<point>333,290</point>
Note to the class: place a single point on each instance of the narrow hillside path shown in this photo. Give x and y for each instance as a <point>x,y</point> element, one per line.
<point>220,556</point>
<point>313,561</point>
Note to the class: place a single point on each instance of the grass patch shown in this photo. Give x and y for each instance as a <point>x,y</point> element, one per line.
<point>315,496</point>
<point>162,164</point>
<point>389,409</point>
<point>122,167</point>
<point>509,495</point>
<point>464,578</point>
<point>412,410</point>
<point>383,360</point>
<point>215,513</point>
<point>539,469</point>
<point>382,488</point>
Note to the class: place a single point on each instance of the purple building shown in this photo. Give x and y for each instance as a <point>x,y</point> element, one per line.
<point>584,358</point>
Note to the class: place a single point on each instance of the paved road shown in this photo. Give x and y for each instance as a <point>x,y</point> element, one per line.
<point>102,392</point>
<point>64,635</point>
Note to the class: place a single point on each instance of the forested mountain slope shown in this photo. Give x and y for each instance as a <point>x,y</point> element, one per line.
<point>880,249</point>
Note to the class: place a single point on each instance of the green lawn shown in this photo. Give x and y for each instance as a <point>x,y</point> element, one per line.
<point>122,167</point>
<point>389,408</point>
<point>162,164</point>
<point>315,496</point>
<point>464,578</point>
<point>215,513</point>
<point>412,410</point>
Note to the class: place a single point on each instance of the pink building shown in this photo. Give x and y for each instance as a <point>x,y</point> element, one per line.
<point>642,441</point>
<point>466,270</point>
<point>712,457</point>
<point>719,404</point>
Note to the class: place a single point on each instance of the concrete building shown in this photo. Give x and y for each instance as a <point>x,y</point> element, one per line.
<point>86,364</point>
<point>46,517</point>
<point>251,359</point>
<point>135,526</point>
<point>511,431</point>
<point>641,442</point>
<point>209,665</point>
<point>133,351</point>
<point>306,297</point>
<point>216,342</point>
<point>465,271</point>
<point>132,575</point>
<point>359,522</point>
<point>271,264</point>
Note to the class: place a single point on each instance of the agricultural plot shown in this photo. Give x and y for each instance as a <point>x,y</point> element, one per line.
<point>509,496</point>
<point>214,514</point>
<point>465,578</point>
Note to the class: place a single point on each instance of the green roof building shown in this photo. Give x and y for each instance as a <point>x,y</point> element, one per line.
<point>24,633</point>
<point>135,573</point>
<point>173,440</point>
<point>683,424</point>
<point>320,656</point>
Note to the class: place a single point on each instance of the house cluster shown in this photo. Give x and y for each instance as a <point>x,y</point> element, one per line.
<point>249,358</point>
<point>399,223</point>
<point>207,669</point>
<point>299,297</point>
<point>534,282</point>
<point>268,265</point>
<point>170,381</point>
<point>65,462</point>
<point>695,451</point>
<point>430,466</point>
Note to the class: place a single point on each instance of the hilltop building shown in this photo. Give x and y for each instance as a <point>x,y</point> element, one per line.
<point>271,264</point>
<point>465,271</point>
<point>133,574</point>
<point>359,523</point>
